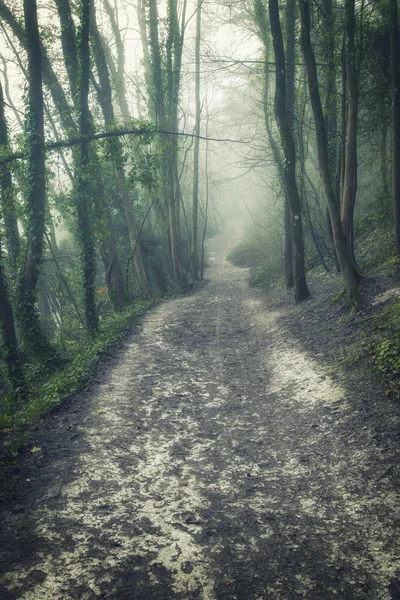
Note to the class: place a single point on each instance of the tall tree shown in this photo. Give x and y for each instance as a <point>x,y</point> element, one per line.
<point>113,271</point>
<point>350,172</point>
<point>28,315</point>
<point>8,206</point>
<point>341,243</point>
<point>260,18</point>
<point>395,76</point>
<point>196,150</point>
<point>166,95</point>
<point>8,337</point>
<point>105,101</point>
<point>84,187</point>
<point>286,135</point>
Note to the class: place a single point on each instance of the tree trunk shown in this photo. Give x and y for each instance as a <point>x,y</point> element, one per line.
<point>9,339</point>
<point>28,316</point>
<point>262,26</point>
<point>299,274</point>
<point>166,101</point>
<point>113,271</point>
<point>290,95</point>
<point>341,245</point>
<point>350,172</point>
<point>8,207</point>
<point>395,74</point>
<point>105,101</point>
<point>195,205</point>
<point>84,191</point>
<point>331,107</point>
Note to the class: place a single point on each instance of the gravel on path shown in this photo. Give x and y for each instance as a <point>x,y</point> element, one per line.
<point>219,456</point>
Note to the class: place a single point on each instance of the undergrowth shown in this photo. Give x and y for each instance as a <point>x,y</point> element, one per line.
<point>265,267</point>
<point>386,351</point>
<point>50,394</point>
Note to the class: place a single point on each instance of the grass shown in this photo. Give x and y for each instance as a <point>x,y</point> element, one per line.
<point>49,395</point>
<point>265,268</point>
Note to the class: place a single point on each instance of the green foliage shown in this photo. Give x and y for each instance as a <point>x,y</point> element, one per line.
<point>387,359</point>
<point>51,393</point>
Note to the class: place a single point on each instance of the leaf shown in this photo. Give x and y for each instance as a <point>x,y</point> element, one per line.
<point>36,449</point>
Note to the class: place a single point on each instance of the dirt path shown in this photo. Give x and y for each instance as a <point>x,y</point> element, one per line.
<point>215,459</point>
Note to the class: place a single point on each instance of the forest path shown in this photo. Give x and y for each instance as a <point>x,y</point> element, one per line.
<point>215,459</point>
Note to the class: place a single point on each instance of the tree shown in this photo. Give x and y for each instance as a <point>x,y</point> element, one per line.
<point>341,243</point>
<point>8,206</point>
<point>286,135</point>
<point>195,204</point>
<point>350,171</point>
<point>84,189</point>
<point>395,76</point>
<point>113,271</point>
<point>105,101</point>
<point>28,315</point>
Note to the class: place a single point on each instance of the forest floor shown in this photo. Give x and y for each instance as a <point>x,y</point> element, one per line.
<point>224,453</point>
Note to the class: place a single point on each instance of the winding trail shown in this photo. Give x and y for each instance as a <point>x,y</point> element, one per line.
<point>214,459</point>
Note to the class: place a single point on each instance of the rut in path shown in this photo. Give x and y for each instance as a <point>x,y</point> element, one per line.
<point>213,460</point>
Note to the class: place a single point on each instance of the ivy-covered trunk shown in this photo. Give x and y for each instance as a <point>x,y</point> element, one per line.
<point>8,207</point>
<point>84,195</point>
<point>112,267</point>
<point>28,315</point>
<point>105,100</point>
<point>166,100</point>
<point>8,338</point>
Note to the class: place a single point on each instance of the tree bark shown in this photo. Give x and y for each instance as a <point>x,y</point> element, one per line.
<point>28,316</point>
<point>299,274</point>
<point>196,150</point>
<point>350,172</point>
<point>341,245</point>
<point>9,339</point>
<point>113,270</point>
<point>395,76</point>
<point>105,101</point>
<point>8,206</point>
<point>84,191</point>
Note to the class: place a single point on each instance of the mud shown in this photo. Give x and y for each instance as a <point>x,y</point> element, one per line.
<point>221,455</point>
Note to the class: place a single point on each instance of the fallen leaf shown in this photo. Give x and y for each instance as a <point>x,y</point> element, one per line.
<point>36,449</point>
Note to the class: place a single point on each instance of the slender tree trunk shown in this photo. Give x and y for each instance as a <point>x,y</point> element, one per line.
<point>299,274</point>
<point>113,270</point>
<point>105,101</point>
<point>395,74</point>
<point>331,107</point>
<point>8,207</point>
<point>84,189</point>
<point>195,205</point>
<point>341,245</point>
<point>28,316</point>
<point>9,339</point>
<point>119,74</point>
<point>166,100</point>
<point>350,173</point>
<point>262,25</point>
<point>290,97</point>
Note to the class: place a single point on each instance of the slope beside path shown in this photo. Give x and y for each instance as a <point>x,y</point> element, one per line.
<point>215,458</point>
